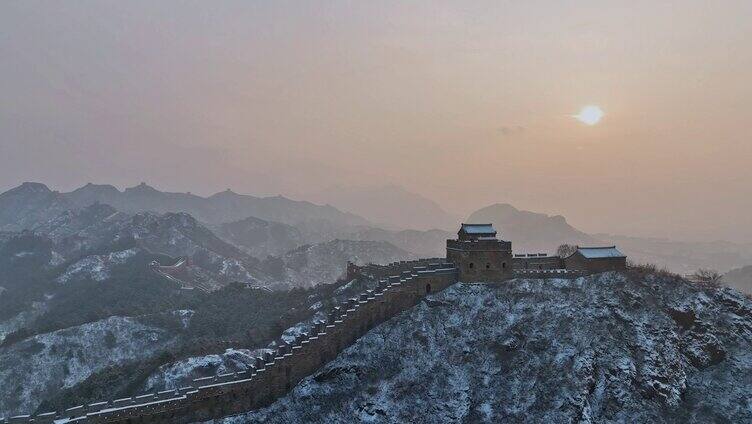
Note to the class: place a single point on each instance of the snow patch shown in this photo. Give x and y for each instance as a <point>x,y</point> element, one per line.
<point>181,373</point>
<point>56,259</point>
<point>47,362</point>
<point>96,267</point>
<point>602,348</point>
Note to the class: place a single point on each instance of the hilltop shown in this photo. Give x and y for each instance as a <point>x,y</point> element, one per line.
<point>610,347</point>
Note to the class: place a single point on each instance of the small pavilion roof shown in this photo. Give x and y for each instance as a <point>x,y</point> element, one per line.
<point>478,229</point>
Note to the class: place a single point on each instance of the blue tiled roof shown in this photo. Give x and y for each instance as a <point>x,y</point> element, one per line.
<point>478,229</point>
<point>600,252</point>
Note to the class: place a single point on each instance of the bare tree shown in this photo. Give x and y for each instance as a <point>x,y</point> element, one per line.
<point>565,250</point>
<point>707,276</point>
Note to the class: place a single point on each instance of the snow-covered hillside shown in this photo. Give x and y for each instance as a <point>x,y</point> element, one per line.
<point>96,267</point>
<point>607,348</point>
<point>181,373</point>
<point>21,319</point>
<point>740,279</point>
<point>36,368</point>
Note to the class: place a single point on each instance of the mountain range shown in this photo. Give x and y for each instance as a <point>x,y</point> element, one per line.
<point>274,225</point>
<point>79,297</point>
<point>32,203</point>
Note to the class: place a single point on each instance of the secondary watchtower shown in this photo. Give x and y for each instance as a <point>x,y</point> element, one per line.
<point>479,255</point>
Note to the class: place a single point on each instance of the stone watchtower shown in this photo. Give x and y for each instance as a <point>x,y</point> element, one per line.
<point>479,256</point>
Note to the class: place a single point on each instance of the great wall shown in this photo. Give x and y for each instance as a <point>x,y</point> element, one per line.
<point>398,287</point>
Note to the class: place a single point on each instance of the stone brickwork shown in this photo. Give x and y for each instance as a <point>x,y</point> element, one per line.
<point>481,257</point>
<point>539,261</point>
<point>595,265</point>
<point>376,271</point>
<point>274,374</point>
<point>481,260</point>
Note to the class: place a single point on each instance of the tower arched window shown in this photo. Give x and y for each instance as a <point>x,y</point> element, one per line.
<point>470,265</point>
<point>503,265</point>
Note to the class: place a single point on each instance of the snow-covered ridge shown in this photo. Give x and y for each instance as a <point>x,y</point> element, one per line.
<point>21,319</point>
<point>33,369</point>
<point>605,348</point>
<point>181,373</point>
<point>96,267</point>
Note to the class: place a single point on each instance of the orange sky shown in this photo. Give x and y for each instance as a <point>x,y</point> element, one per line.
<point>466,104</point>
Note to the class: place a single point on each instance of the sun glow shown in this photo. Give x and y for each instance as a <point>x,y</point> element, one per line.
<point>590,115</point>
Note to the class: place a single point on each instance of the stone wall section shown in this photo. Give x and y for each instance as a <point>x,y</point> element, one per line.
<point>486,261</point>
<point>539,261</point>
<point>595,265</point>
<point>274,374</point>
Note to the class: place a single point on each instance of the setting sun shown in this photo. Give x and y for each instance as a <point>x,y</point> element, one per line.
<point>590,115</point>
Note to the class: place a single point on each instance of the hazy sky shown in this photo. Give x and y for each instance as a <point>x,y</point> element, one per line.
<point>468,104</point>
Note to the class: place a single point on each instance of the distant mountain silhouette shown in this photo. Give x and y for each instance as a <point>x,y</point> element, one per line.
<point>94,193</point>
<point>740,279</point>
<point>29,204</point>
<point>260,238</point>
<point>530,231</point>
<point>389,206</point>
<point>33,203</point>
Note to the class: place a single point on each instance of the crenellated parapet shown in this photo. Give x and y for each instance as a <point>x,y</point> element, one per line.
<point>479,245</point>
<point>548,273</point>
<point>376,271</point>
<point>274,373</point>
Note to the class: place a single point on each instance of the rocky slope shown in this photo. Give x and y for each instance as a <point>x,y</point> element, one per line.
<point>114,236</point>
<point>35,369</point>
<point>181,373</point>
<point>25,206</point>
<point>180,345</point>
<point>76,231</point>
<point>608,348</point>
<point>740,279</point>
